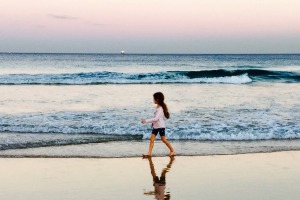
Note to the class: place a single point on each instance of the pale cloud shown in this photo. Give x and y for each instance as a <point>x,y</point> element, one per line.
<point>63,17</point>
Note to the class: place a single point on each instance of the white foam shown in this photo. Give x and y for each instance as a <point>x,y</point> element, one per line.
<point>226,124</point>
<point>244,78</point>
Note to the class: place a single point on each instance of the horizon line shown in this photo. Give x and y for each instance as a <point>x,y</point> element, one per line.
<point>132,53</point>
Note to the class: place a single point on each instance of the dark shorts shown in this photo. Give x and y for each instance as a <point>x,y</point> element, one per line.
<point>160,181</point>
<point>161,131</point>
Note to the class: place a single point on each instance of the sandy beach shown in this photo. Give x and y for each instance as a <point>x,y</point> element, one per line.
<point>244,176</point>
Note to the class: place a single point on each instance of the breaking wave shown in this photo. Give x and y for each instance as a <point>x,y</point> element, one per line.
<point>240,76</point>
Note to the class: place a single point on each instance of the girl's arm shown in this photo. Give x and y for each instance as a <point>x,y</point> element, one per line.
<point>158,114</point>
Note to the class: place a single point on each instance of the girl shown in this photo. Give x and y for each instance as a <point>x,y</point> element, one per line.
<point>158,123</point>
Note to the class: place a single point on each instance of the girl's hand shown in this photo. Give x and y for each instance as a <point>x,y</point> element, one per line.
<point>143,121</point>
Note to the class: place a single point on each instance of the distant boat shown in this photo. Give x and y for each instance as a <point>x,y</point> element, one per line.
<point>122,52</point>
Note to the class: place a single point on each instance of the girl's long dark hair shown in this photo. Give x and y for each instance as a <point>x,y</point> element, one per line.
<point>159,97</point>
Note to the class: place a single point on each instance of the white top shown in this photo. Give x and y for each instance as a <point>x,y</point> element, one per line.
<point>158,120</point>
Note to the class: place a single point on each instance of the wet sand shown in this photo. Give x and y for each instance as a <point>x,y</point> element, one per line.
<point>247,176</point>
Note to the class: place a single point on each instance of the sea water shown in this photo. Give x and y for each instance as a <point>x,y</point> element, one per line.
<point>71,99</point>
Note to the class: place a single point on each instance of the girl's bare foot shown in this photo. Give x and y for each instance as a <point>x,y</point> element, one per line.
<point>146,155</point>
<point>172,153</point>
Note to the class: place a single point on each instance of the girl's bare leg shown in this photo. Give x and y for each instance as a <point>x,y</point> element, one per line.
<point>152,138</point>
<point>164,139</point>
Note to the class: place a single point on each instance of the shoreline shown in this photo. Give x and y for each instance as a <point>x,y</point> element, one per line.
<point>159,156</point>
<point>132,149</point>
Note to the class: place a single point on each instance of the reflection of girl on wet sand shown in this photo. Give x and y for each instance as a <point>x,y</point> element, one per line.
<point>159,183</point>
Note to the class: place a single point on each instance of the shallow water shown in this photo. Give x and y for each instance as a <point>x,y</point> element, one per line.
<point>202,112</point>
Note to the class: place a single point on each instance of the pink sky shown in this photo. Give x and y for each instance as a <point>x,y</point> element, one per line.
<point>207,26</point>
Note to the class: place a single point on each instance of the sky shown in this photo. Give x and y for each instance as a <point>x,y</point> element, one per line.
<point>150,26</point>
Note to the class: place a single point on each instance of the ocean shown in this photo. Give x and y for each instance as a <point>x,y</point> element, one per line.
<point>76,101</point>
